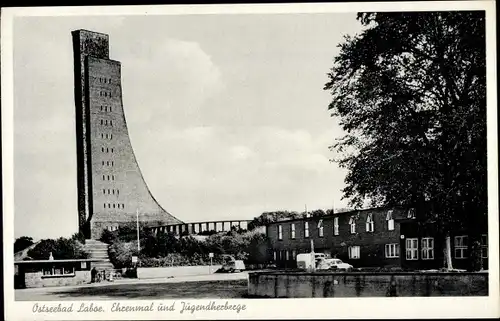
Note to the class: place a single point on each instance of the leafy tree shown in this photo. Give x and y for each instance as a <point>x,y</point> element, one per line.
<point>22,243</point>
<point>410,93</point>
<point>270,217</point>
<point>61,248</point>
<point>80,237</point>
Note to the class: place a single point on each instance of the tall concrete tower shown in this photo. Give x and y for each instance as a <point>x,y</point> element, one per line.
<point>111,187</point>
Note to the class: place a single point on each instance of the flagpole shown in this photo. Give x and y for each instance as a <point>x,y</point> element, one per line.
<point>138,239</point>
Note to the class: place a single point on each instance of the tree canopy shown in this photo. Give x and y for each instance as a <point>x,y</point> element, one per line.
<point>410,93</point>
<point>22,243</point>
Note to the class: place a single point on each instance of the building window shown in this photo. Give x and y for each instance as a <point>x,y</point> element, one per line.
<point>112,150</point>
<point>392,250</point>
<point>112,163</point>
<point>369,223</point>
<point>274,255</point>
<point>110,109</point>
<point>336,226</point>
<point>352,223</point>
<point>104,191</point>
<point>67,270</point>
<point>320,228</point>
<point>103,177</point>
<point>102,163</point>
<point>411,213</point>
<point>114,205</point>
<point>104,205</point>
<point>390,221</point>
<point>292,231</point>
<point>412,249</point>
<point>287,256</point>
<point>354,252</point>
<point>294,254</point>
<point>113,177</point>
<point>306,229</point>
<point>461,245</point>
<point>427,248</point>
<point>280,232</point>
<point>102,149</point>
<point>111,123</point>
<point>117,192</point>
<point>113,191</point>
<point>484,246</point>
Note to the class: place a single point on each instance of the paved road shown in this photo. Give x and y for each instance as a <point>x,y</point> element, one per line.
<point>221,286</point>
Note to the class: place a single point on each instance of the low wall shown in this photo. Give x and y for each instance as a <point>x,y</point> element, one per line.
<point>175,271</point>
<point>331,284</point>
<point>38,280</point>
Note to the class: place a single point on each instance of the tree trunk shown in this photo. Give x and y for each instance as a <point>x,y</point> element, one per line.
<point>447,253</point>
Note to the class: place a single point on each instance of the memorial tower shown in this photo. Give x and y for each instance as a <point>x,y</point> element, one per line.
<point>111,188</point>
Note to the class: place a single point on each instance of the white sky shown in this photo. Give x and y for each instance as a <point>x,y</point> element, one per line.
<point>226,113</point>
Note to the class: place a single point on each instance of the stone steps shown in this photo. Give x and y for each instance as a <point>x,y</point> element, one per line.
<point>99,250</point>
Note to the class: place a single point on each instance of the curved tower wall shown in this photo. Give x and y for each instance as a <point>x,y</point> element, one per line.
<point>111,187</point>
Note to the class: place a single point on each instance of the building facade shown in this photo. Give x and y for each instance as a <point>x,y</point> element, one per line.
<point>111,188</point>
<point>378,237</point>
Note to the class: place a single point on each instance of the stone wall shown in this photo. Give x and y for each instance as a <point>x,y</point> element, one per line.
<point>38,280</point>
<point>307,285</point>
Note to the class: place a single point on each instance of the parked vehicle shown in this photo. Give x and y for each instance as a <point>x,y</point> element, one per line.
<point>338,264</point>
<point>310,261</point>
<point>231,265</point>
<point>306,261</point>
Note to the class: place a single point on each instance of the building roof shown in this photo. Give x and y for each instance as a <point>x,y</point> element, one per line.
<point>315,218</point>
<point>58,261</point>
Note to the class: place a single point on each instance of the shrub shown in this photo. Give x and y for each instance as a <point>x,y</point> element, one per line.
<point>109,237</point>
<point>78,237</point>
<point>61,248</point>
<point>120,254</point>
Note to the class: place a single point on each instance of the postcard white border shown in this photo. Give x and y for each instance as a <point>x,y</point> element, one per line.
<point>337,308</point>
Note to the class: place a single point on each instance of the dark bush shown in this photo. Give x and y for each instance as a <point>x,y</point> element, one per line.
<point>109,237</point>
<point>22,243</point>
<point>78,237</point>
<point>120,254</point>
<point>61,248</point>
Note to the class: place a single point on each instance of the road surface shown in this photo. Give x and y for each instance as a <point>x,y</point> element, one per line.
<point>217,286</point>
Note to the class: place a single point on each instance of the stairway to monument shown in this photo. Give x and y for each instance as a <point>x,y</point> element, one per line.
<point>99,250</point>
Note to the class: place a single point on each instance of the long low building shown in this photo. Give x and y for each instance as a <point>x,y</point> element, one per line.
<point>378,237</point>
